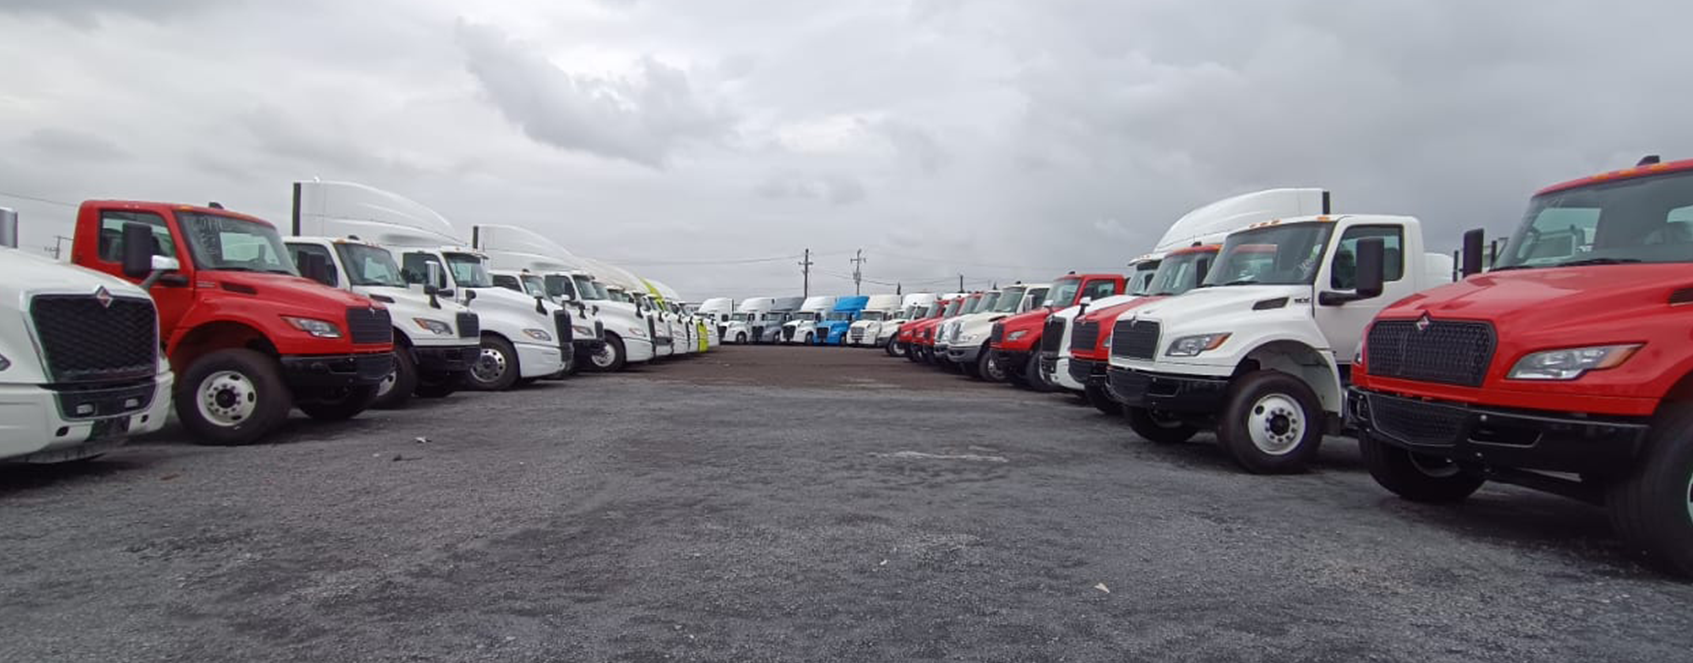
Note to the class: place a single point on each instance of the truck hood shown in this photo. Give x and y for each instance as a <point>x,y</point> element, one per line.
<point>296,291</point>
<point>37,274</point>
<point>1025,321</point>
<point>409,300</point>
<point>1208,306</point>
<point>1551,296</point>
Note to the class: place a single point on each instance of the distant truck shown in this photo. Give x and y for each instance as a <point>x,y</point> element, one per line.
<point>801,327</point>
<point>833,329</point>
<point>768,327</point>
<point>1567,368</point>
<point>1089,349</point>
<point>879,310</point>
<point>548,270</point>
<point>716,312</point>
<point>1015,340</point>
<point>739,328</point>
<point>246,336</point>
<point>80,370</point>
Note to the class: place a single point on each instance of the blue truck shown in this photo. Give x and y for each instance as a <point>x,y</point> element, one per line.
<point>833,329</point>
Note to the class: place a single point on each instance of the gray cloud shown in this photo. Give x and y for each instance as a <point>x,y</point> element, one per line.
<point>73,145</point>
<point>836,189</point>
<point>86,14</point>
<point>643,118</point>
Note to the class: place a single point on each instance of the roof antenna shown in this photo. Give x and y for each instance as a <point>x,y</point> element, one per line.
<point>1648,160</point>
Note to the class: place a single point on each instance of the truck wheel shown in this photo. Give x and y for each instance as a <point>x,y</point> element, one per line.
<point>913,353</point>
<point>341,406</point>
<point>741,338</point>
<point>495,368</point>
<point>1417,477</point>
<point>610,358</point>
<point>988,368</point>
<point>1102,401</point>
<point>440,386</point>
<point>1155,427</point>
<point>232,397</point>
<point>892,347</point>
<point>1652,507</point>
<point>396,390</point>
<point>1034,379</point>
<point>1271,423</point>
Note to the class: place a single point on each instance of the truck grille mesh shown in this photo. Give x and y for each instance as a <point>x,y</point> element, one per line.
<point>1135,339</point>
<point>470,325</point>
<point>369,325</point>
<point>1085,337</point>
<point>1052,334</point>
<point>1417,423</point>
<point>998,333</point>
<point>1446,351</point>
<point>561,322</point>
<point>85,341</point>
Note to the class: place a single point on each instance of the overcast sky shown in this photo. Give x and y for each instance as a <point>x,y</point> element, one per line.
<point>998,138</point>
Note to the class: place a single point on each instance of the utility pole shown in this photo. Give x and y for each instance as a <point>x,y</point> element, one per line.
<point>857,273</point>
<point>961,283</point>
<point>805,268</point>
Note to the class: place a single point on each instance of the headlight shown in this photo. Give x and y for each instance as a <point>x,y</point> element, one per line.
<point>1192,346</point>
<point>585,331</point>
<point>1016,335</point>
<point>318,328</point>
<point>434,326</point>
<point>966,339</point>
<point>637,332</point>
<point>538,334</point>
<point>1570,363</point>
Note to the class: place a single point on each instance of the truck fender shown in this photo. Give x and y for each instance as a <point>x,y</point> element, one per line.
<point>212,335</point>
<point>1314,367</point>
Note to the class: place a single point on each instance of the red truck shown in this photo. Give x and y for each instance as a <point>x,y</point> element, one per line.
<point>1016,340</point>
<point>921,346</point>
<point>1180,270</point>
<point>1568,368</point>
<point>247,337</point>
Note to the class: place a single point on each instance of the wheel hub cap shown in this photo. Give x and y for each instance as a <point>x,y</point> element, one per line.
<point>387,383</point>
<point>226,398</point>
<point>1276,424</point>
<point>489,366</point>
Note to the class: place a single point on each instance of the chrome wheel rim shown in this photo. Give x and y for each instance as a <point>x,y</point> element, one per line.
<point>1276,424</point>
<point>604,357</point>
<point>1689,494</point>
<point>226,398</point>
<point>387,383</point>
<point>490,366</point>
<point>992,369</point>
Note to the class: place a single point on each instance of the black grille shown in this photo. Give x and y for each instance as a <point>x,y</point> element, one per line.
<point>1052,335</point>
<point>1136,339</point>
<point>470,326</point>
<point>369,325</point>
<point>1082,370</point>
<point>85,341</point>
<point>758,334</point>
<point>599,330</point>
<point>1085,336</point>
<point>788,333</point>
<point>1418,423</point>
<point>1442,351</point>
<point>722,331</point>
<point>561,322</point>
<point>998,333</point>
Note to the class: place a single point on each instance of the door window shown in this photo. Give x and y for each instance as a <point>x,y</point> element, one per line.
<point>1343,273</point>
<point>299,251</point>
<point>1100,289</point>
<point>415,268</point>
<point>111,234</point>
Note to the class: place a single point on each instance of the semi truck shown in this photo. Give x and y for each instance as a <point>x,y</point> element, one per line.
<point>247,337</point>
<point>929,341</point>
<point>523,338</point>
<point>768,328</point>
<point>747,315</point>
<point>833,329</point>
<point>972,335</point>
<point>435,340</point>
<point>801,327</point>
<point>80,367</point>
<point>878,311</point>
<point>1014,340</point>
<point>715,312</point>
<point>1262,350</point>
<point>549,270</point>
<point>1567,368</point>
<point>1089,350</point>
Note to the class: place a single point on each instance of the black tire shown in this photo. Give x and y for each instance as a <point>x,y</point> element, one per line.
<point>341,406</point>
<point>404,382</point>
<point>1289,419</point>
<point>987,367</point>
<point>1034,379</point>
<point>613,356</point>
<point>1652,506</point>
<point>1155,427</point>
<point>913,353</point>
<point>741,338</point>
<point>496,366</point>
<point>438,386</point>
<point>257,380</point>
<point>893,348</point>
<point>1416,477</point>
<point>1102,401</point>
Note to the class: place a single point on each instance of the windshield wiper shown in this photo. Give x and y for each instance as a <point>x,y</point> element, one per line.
<point>1236,282</point>
<point>1598,261</point>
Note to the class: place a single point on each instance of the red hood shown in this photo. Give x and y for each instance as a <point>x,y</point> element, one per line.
<point>1106,318</point>
<point>1030,323</point>
<point>1552,297</point>
<point>290,290</point>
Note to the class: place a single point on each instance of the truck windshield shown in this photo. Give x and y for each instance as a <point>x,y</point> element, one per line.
<point>469,270</point>
<point>741,317</point>
<point>370,265</point>
<point>561,286</point>
<point>534,285</point>
<point>589,290</point>
<point>1287,254</point>
<point>872,315</point>
<point>237,245</point>
<point>1642,219</point>
<point>1062,293</point>
<point>953,308</point>
<point>1009,300</point>
<point>1140,283</point>
<point>1179,273</point>
<point>840,315</point>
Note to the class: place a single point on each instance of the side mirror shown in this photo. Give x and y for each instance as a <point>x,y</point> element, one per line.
<point>540,305</point>
<point>1370,269</point>
<point>432,279</point>
<point>163,266</point>
<point>1472,252</point>
<point>137,250</point>
<point>316,268</point>
<point>469,295</point>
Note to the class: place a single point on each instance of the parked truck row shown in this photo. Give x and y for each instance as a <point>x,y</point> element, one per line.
<point>370,300</point>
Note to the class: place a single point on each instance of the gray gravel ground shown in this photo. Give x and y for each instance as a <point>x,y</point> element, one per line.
<point>868,510</point>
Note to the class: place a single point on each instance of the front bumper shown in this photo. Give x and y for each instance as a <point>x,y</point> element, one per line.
<point>1182,394</point>
<point>445,359</point>
<point>1088,372</point>
<point>335,371</point>
<point>1012,360</point>
<point>34,428</point>
<point>1499,437</point>
<point>963,354</point>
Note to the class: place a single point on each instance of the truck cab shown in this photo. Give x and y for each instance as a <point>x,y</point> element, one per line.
<point>833,329</point>
<point>880,311</point>
<point>931,339</point>
<point>247,337</point>
<point>80,368</point>
<point>435,340</point>
<point>972,335</point>
<point>768,327</point>
<point>715,312</point>
<point>1567,368</point>
<point>1015,340</point>
<point>749,313</point>
<point>1089,350</point>
<point>973,304</point>
<point>523,338</point>
<point>1262,350</point>
<point>801,327</point>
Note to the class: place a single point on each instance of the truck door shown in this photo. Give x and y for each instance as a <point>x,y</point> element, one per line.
<point>1343,324</point>
<point>172,295</point>
<point>1097,289</point>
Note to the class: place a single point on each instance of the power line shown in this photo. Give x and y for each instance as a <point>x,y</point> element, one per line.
<point>662,263</point>
<point>48,201</point>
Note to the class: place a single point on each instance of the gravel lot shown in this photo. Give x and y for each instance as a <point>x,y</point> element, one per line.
<point>789,504</point>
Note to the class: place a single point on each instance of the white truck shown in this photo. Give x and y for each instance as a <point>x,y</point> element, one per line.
<point>628,293</point>
<point>747,314</point>
<point>436,340</point>
<point>1261,351</point>
<point>80,366</point>
<point>978,303</point>
<point>544,268</point>
<point>801,327</point>
<point>522,337</point>
<point>716,312</point>
<point>1208,224</point>
<point>967,346</point>
<point>767,328</point>
<point>683,333</point>
<point>878,310</point>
